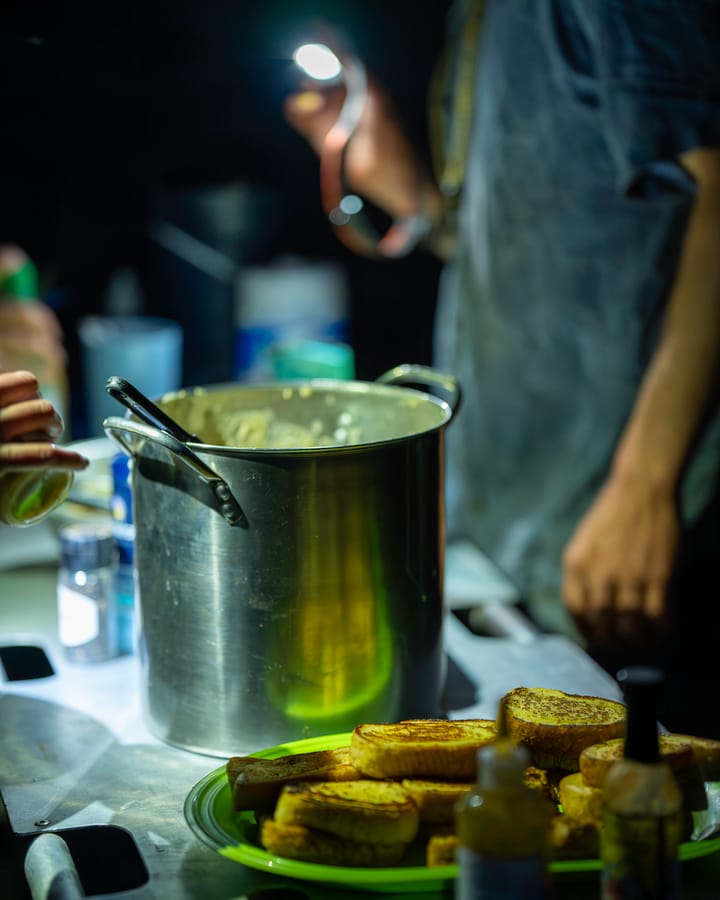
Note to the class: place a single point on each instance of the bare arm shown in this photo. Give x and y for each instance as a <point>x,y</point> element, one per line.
<point>620,558</point>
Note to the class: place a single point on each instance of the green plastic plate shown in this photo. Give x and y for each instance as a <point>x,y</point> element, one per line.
<point>209,813</point>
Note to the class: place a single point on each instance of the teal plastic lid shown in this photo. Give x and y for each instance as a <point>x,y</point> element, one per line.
<point>313,359</point>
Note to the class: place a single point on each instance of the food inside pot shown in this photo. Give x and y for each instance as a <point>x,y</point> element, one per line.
<point>264,429</point>
<point>303,416</point>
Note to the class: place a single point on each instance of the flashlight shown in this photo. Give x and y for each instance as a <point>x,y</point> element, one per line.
<point>318,61</point>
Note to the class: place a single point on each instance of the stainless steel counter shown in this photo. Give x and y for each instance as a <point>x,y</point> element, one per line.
<point>76,758</point>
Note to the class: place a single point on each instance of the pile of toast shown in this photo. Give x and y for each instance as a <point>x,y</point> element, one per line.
<point>395,785</point>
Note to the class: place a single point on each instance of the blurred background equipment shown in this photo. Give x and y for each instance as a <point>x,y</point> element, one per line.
<point>287,301</point>
<point>130,137</point>
<point>147,350</point>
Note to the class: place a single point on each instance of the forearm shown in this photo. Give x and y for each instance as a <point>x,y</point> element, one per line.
<point>682,379</point>
<point>619,560</point>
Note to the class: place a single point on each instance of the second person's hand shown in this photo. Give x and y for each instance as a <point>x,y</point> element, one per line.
<point>618,563</point>
<point>380,163</point>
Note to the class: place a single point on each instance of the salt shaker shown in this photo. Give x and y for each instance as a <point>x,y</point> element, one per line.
<point>86,592</point>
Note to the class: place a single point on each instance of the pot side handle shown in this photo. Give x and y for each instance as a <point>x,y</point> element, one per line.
<point>127,434</point>
<point>441,384</point>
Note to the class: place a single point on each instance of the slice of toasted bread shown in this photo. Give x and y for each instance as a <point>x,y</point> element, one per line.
<point>556,727</point>
<point>545,782</point>
<point>597,759</point>
<point>421,748</point>
<point>579,801</point>
<point>309,845</point>
<point>256,782</point>
<point>436,800</point>
<point>706,752</point>
<point>570,838</point>
<point>441,850</point>
<point>372,812</point>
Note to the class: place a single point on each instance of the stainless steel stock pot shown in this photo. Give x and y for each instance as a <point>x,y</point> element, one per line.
<point>286,592</point>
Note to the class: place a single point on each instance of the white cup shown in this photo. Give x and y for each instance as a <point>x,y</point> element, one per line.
<point>143,350</point>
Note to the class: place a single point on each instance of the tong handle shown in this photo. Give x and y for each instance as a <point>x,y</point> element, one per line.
<point>134,400</point>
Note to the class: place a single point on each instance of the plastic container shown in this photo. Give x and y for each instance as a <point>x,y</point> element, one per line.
<point>87,619</point>
<point>145,350</point>
<point>285,303</point>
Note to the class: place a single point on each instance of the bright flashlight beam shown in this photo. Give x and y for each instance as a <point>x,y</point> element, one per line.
<point>318,61</point>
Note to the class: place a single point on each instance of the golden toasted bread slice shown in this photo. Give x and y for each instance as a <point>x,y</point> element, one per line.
<point>677,750</point>
<point>256,783</point>
<point>537,780</point>
<point>597,759</point>
<point>421,748</point>
<point>372,812</point>
<point>545,782</point>
<point>309,845</point>
<point>579,801</point>
<point>706,752</point>
<point>570,838</point>
<point>436,800</point>
<point>556,727</point>
<point>441,850</point>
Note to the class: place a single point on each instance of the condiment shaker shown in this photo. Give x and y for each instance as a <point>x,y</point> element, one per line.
<point>87,617</point>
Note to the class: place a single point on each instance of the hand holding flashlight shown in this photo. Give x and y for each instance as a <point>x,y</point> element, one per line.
<point>364,153</point>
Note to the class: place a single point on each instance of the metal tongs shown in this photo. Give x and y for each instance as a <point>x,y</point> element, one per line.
<point>169,434</point>
<point>127,394</point>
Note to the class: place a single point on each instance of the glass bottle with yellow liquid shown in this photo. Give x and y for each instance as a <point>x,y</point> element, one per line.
<point>642,821</point>
<point>503,829</point>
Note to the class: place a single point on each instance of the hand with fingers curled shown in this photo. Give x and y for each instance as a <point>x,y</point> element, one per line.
<point>617,565</point>
<point>29,427</point>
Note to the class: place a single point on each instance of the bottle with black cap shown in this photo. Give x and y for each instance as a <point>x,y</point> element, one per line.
<point>642,805</point>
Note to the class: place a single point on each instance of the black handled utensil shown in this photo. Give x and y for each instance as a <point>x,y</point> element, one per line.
<point>145,409</point>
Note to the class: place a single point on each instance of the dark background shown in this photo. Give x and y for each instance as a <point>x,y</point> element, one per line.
<point>117,113</point>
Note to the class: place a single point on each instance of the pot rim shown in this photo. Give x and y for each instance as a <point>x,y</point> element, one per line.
<point>352,387</point>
